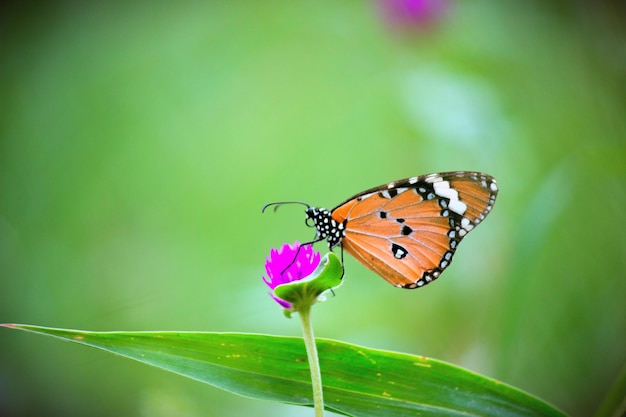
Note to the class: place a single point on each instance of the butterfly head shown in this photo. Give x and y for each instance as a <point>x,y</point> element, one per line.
<point>326,227</point>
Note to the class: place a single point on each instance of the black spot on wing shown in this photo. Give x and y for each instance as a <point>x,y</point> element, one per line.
<point>398,251</point>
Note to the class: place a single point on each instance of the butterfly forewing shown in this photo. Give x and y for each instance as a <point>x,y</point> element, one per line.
<point>407,231</point>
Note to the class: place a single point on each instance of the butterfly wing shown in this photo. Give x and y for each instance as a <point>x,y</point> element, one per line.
<point>407,231</point>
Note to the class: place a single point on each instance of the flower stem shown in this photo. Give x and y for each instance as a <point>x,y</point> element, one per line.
<point>314,364</point>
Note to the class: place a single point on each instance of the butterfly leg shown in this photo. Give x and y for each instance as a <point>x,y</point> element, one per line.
<point>343,269</point>
<point>298,251</point>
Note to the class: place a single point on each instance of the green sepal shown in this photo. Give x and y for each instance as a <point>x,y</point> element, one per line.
<point>304,293</point>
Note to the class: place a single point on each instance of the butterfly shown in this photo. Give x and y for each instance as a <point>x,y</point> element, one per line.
<point>406,231</point>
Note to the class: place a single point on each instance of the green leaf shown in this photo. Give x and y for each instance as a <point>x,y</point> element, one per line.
<point>357,381</point>
<point>305,292</point>
<point>614,404</point>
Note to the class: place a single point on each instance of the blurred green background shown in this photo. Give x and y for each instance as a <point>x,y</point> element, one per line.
<point>138,143</point>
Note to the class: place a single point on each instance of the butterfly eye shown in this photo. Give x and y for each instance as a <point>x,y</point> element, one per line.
<point>310,218</point>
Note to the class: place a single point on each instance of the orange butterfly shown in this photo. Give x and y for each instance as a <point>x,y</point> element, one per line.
<point>408,230</point>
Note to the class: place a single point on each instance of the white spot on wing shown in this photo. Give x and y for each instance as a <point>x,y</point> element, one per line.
<point>442,189</point>
<point>457,206</point>
<point>441,184</point>
<point>449,193</point>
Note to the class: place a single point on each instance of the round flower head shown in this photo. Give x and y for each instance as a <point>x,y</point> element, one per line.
<point>288,264</point>
<point>413,14</point>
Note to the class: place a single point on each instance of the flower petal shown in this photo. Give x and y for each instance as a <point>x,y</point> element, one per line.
<point>288,264</point>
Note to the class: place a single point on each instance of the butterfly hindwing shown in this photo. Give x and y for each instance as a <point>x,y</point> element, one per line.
<point>407,231</point>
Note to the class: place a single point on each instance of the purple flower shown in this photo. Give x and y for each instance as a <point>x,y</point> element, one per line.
<point>413,14</point>
<point>297,263</point>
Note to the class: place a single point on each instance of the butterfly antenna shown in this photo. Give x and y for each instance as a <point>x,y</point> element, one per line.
<point>280,203</point>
